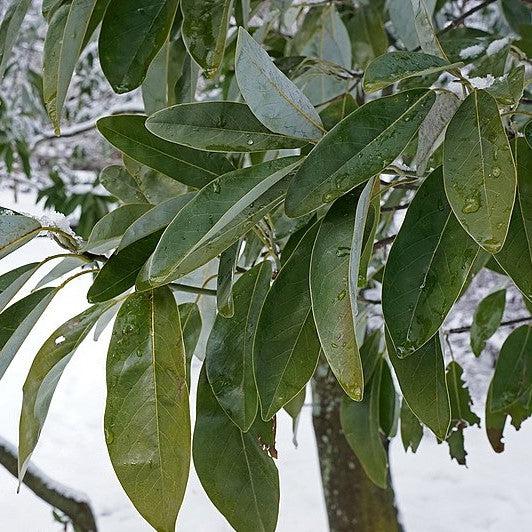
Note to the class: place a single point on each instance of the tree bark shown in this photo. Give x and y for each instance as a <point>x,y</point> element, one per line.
<point>354,503</point>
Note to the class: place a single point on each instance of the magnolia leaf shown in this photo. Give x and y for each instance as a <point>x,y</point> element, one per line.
<point>121,184</point>
<point>411,428</point>
<point>191,167</point>
<point>190,316</point>
<point>67,265</point>
<point>402,16</point>
<point>486,320</point>
<point>479,171</point>
<point>426,34</point>
<point>10,28</point>
<point>358,148</point>
<point>223,211</point>
<point>389,406</point>
<point>494,423</point>
<point>271,96</point>
<point>286,347</point>
<point>428,265</point>
<point>218,127</point>
<point>224,280</point>
<point>104,320</point>
<point>43,377</point>
<point>508,89</point>
<point>367,34</point>
<point>12,281</point>
<point>229,354</point>
<point>204,30</point>
<point>147,421</point>
<point>132,33</point>
<point>337,110</point>
<point>461,413</point>
<point>329,291</point>
<point>15,231</point>
<point>293,409</point>
<point>234,469</point>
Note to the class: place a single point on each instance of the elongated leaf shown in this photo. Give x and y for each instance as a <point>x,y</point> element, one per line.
<point>43,377</point>
<point>190,167</point>
<point>402,16</point>
<point>486,320</point>
<point>154,220</point>
<point>367,34</point>
<point>286,346</point>
<point>271,96</point>
<point>494,423</point>
<point>224,280</point>
<point>12,281</point>
<point>190,316</point>
<point>16,322</point>
<point>358,148</point>
<point>147,421</point>
<point>223,211</point>
<point>217,126</point>
<point>62,268</point>
<point>360,424</point>
<point>121,184</point>
<point>396,66</point>
<point>428,265</point>
<point>10,28</point>
<point>426,34</point>
<point>479,171</point>
<point>237,474</point>
<point>132,33</point>
<point>513,374</point>
<point>421,377</point>
<point>508,89</point>
<point>104,320</point>
<point>15,231</point>
<point>108,231</point>
<point>205,24</point>
<point>229,355</point>
<point>411,428</point>
<point>329,291</point>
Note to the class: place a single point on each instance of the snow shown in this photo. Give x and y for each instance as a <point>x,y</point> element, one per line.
<point>471,51</point>
<point>482,83</point>
<point>432,492</point>
<point>497,46</point>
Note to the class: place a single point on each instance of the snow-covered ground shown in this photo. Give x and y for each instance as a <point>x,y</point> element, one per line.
<point>434,494</point>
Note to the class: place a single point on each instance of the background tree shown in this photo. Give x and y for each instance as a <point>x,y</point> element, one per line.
<point>350,168</point>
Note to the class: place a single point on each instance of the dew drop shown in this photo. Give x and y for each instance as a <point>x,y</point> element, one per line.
<point>109,436</point>
<point>250,142</point>
<point>216,187</point>
<point>471,205</point>
<point>496,172</point>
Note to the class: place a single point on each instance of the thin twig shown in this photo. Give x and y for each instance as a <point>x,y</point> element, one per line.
<point>457,21</point>
<point>459,330</point>
<point>384,242</point>
<point>395,208</point>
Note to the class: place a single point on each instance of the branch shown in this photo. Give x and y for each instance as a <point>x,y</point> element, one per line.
<point>384,242</point>
<point>460,330</point>
<point>395,208</point>
<point>457,21</point>
<point>75,506</point>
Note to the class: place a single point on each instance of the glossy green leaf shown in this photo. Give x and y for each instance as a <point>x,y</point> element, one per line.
<point>43,377</point>
<point>271,96</point>
<point>513,374</point>
<point>224,280</point>
<point>329,290</point>
<point>286,347</point>
<point>426,34</point>
<point>528,133</point>
<point>237,474</point>
<point>121,184</point>
<point>479,171</point>
<point>229,354</point>
<point>358,148</point>
<point>104,320</point>
<point>461,413</point>
<point>191,167</point>
<point>396,66</point>
<point>486,320</point>
<point>494,423</point>
<point>428,265</point>
<point>147,421</point>
<point>132,33</point>
<point>367,34</point>
<point>18,320</point>
<point>421,377</point>
<point>389,405</point>
<point>15,231</point>
<point>205,24</point>
<point>360,424</point>
<point>11,282</point>
<point>108,231</point>
<point>190,316</point>
<point>402,16</point>
<point>293,409</point>
<point>223,211</point>
<point>218,127</point>
<point>411,428</point>
<point>186,85</point>
<point>337,111</point>
<point>457,451</point>
<point>508,89</point>
<point>63,267</point>
<point>10,28</point>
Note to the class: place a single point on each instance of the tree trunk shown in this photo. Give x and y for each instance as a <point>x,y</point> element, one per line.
<point>354,503</point>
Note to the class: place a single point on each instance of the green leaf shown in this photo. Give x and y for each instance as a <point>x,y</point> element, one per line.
<point>455,440</point>
<point>43,377</point>
<point>147,421</point>
<point>396,66</point>
<point>337,110</point>
<point>191,167</point>
<point>293,409</point>
<point>329,289</point>
<point>421,378</point>
<point>70,27</point>
<point>513,373</point>
<point>426,34</point>
<point>286,347</point>
<point>121,184</point>
<point>486,320</point>
<point>388,408</point>
<point>358,148</point>
<point>10,29</point>
<point>271,96</point>
<point>360,424</point>
<point>62,268</point>
<point>237,474</point>
<point>516,13</point>
<point>411,428</point>
<point>11,282</point>
<point>131,35</point>
<point>402,16</point>
<point>508,89</point>
<point>479,171</point>
<point>461,413</point>
<point>15,231</point>
<point>223,211</point>
<point>229,354</point>
<point>18,320</point>
<point>428,265</point>
<point>218,127</point>
<point>191,327</point>
<point>494,422</point>
<point>204,29</point>
<point>108,231</point>
<point>224,280</point>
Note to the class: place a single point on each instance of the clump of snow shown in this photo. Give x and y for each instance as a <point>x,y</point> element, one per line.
<point>482,83</point>
<point>497,46</point>
<point>52,218</point>
<point>471,51</point>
